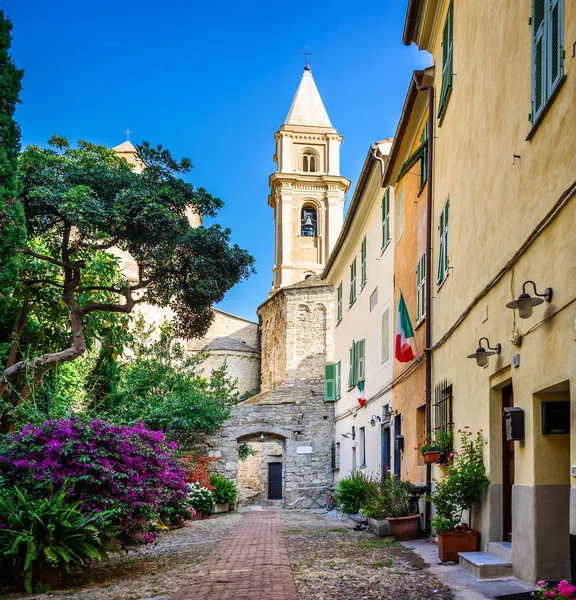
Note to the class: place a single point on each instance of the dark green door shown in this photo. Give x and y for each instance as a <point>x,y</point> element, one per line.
<point>274,481</point>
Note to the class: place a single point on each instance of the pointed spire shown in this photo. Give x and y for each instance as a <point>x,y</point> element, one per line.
<point>307,107</point>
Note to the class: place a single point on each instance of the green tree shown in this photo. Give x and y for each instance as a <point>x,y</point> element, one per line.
<point>80,204</point>
<point>12,231</point>
<point>162,386</point>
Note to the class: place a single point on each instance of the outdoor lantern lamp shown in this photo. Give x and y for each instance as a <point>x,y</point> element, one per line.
<point>481,355</point>
<point>525,302</point>
<point>374,419</point>
<point>261,438</point>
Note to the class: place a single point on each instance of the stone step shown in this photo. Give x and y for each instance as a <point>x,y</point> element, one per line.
<point>484,565</point>
<point>501,549</point>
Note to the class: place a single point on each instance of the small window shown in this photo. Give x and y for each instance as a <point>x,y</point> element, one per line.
<point>443,248</point>
<point>339,302</point>
<point>386,218</point>
<point>353,282</point>
<point>547,51</point>
<point>447,60</point>
<point>362,447</point>
<point>399,215</point>
<point>421,288</point>
<point>309,162</point>
<point>386,336</point>
<point>363,269</point>
<point>309,222</point>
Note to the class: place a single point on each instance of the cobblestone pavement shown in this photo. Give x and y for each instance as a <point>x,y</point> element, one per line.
<point>250,563</point>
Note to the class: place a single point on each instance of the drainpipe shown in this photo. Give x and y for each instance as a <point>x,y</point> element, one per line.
<point>428,285</point>
<point>375,155</point>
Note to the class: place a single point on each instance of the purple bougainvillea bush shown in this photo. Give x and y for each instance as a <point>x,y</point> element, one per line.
<point>131,471</point>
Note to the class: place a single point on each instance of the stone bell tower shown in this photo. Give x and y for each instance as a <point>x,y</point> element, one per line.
<point>307,190</point>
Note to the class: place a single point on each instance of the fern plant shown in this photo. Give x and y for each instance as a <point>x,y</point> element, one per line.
<point>51,531</point>
<point>225,491</point>
<point>352,492</point>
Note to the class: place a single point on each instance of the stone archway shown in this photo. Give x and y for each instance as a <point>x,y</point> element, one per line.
<point>261,474</point>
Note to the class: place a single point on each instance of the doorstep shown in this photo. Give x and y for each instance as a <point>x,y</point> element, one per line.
<point>463,584</point>
<point>484,565</point>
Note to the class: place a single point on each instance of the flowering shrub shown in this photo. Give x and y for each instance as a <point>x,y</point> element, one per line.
<point>563,591</point>
<point>198,469</point>
<point>200,498</point>
<point>130,472</point>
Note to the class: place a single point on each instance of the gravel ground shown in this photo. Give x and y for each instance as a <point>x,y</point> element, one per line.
<point>332,562</point>
<point>151,572</point>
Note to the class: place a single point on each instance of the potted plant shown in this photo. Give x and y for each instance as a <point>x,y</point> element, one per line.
<point>351,492</point>
<point>225,492</point>
<point>201,499</point>
<point>460,488</point>
<point>400,513</point>
<point>563,591</point>
<point>436,444</point>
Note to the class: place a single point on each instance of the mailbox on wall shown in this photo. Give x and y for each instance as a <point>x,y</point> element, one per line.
<point>514,423</point>
<point>555,417</point>
<point>400,442</point>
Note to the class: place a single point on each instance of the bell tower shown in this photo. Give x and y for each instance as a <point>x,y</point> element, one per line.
<point>307,190</point>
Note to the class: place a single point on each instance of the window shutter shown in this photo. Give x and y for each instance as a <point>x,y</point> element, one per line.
<point>353,281</point>
<point>363,261</point>
<point>555,44</point>
<point>418,291</point>
<point>352,367</point>
<point>399,215</point>
<point>440,277</point>
<point>339,302</point>
<point>447,58</point>
<point>538,56</point>
<point>329,383</point>
<point>385,218</point>
<point>385,335</point>
<point>338,380</point>
<point>361,351</point>
<point>446,223</point>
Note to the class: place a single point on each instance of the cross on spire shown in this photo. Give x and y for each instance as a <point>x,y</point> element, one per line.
<point>307,58</point>
<point>128,132</point>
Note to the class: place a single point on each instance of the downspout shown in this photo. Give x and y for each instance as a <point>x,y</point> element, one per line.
<point>428,284</point>
<point>375,155</point>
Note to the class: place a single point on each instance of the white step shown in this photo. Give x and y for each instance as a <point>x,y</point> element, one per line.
<point>501,549</point>
<point>484,565</point>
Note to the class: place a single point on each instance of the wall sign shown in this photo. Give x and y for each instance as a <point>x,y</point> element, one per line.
<point>304,450</point>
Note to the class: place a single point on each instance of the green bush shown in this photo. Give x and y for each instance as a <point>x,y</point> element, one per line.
<point>51,531</point>
<point>352,492</point>
<point>389,498</point>
<point>225,491</point>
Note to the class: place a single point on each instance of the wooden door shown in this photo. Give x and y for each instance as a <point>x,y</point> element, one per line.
<point>385,449</point>
<point>274,481</point>
<point>507,469</point>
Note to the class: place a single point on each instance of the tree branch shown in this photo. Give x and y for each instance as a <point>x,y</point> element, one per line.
<point>46,258</point>
<point>36,281</point>
<point>116,308</point>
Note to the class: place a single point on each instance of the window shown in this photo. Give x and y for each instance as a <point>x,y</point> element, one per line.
<point>335,455</point>
<point>353,282</point>
<point>363,271</point>
<point>443,250</point>
<point>339,380</point>
<point>308,222</point>
<point>386,218</point>
<point>421,288</point>
<point>386,336</point>
<point>424,159</point>
<point>443,409</point>
<point>547,51</point>
<point>361,360</point>
<point>362,447</point>
<point>447,60</point>
<point>399,215</point>
<point>309,162</point>
<point>329,382</point>
<point>352,366</point>
<point>339,302</point>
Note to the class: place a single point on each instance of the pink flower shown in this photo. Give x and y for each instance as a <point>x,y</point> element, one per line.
<point>541,583</point>
<point>466,426</point>
<point>550,594</point>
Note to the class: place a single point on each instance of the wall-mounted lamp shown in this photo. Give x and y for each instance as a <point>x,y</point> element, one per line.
<point>525,302</point>
<point>389,413</point>
<point>261,438</point>
<point>481,355</point>
<point>350,433</point>
<point>374,419</point>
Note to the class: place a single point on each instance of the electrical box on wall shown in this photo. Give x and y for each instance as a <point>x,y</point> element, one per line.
<point>399,442</point>
<point>555,417</point>
<point>514,423</point>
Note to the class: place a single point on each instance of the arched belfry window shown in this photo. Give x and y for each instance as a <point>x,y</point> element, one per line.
<point>309,222</point>
<point>309,161</point>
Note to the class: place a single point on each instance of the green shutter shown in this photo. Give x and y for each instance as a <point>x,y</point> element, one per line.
<point>418,291</point>
<point>538,56</point>
<point>386,218</point>
<point>555,44</point>
<point>353,282</point>
<point>447,58</point>
<point>364,273</point>
<point>421,288</point>
<point>339,302</point>
<point>361,360</point>
<point>352,366</point>
<point>443,249</point>
<point>338,380</point>
<point>329,383</point>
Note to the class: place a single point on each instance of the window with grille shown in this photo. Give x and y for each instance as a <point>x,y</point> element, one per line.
<point>547,51</point>
<point>443,406</point>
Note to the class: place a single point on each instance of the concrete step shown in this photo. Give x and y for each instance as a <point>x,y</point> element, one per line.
<point>501,549</point>
<point>484,565</point>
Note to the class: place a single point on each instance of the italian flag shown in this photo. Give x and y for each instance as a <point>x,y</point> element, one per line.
<point>404,332</point>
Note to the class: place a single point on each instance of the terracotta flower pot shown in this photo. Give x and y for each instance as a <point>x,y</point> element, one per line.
<point>404,528</point>
<point>432,457</point>
<point>47,575</point>
<point>452,542</point>
<point>198,516</point>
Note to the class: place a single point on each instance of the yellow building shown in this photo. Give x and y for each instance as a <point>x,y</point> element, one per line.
<point>504,216</point>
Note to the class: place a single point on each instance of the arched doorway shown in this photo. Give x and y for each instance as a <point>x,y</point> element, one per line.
<point>261,468</point>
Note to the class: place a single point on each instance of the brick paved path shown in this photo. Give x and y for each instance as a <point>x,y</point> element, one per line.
<point>251,562</point>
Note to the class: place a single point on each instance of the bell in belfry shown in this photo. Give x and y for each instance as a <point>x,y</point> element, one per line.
<point>308,227</point>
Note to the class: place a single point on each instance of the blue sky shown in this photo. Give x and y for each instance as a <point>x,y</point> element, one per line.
<point>212,81</point>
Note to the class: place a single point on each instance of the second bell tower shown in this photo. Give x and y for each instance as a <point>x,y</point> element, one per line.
<point>307,190</point>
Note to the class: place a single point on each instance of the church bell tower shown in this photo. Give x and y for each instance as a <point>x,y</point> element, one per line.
<point>307,190</point>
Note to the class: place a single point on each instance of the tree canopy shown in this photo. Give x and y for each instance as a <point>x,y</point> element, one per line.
<point>80,205</point>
